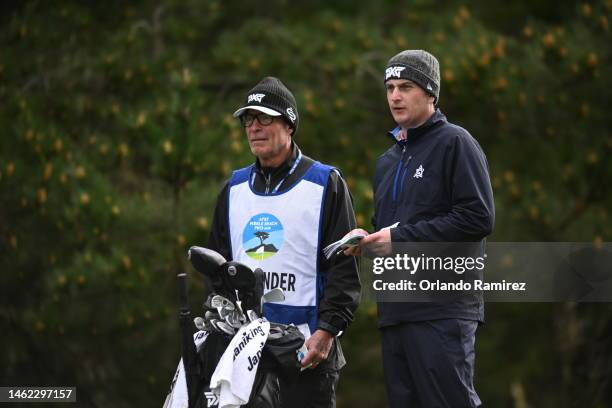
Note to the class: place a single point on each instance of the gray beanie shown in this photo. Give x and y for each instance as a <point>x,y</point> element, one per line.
<point>417,66</point>
<point>272,97</point>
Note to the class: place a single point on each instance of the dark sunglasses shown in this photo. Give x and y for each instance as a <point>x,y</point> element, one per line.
<point>263,119</point>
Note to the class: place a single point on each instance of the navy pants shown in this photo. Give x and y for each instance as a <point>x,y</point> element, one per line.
<point>430,364</point>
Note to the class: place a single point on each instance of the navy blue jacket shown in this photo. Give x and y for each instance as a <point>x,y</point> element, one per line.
<point>436,185</point>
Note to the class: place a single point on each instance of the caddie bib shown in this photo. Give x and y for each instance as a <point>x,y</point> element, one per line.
<point>280,233</point>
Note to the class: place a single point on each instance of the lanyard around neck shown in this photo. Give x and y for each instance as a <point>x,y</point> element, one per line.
<point>291,171</point>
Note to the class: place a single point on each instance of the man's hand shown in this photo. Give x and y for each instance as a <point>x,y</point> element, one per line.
<point>319,346</point>
<point>355,250</point>
<point>378,242</point>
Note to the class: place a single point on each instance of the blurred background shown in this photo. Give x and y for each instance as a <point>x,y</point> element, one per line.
<point>117,136</point>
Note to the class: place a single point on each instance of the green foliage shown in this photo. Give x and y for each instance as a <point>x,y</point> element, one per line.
<point>117,135</point>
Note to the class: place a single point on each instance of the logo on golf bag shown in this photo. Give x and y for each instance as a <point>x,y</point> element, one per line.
<point>262,236</point>
<point>211,399</point>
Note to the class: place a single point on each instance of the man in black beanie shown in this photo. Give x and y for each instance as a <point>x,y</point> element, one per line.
<point>278,214</point>
<point>431,185</point>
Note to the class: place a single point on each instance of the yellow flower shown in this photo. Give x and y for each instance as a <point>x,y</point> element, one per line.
<point>141,119</point>
<point>202,222</point>
<point>536,186</point>
<point>167,146</point>
<point>126,261</point>
<point>236,146</point>
<point>62,280</point>
<point>41,195</point>
<point>123,149</point>
<point>449,75</point>
<point>84,198</point>
<point>586,10</point>
<point>186,76</point>
<point>592,158</point>
<point>548,40</point>
<point>80,172</point>
<point>58,145</point>
<point>181,240</point>
<point>47,171</point>
<point>115,210</point>
<point>254,63</point>
<point>40,326</point>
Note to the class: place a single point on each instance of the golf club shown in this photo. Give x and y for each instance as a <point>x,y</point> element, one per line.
<point>274,295</point>
<point>252,315</point>
<point>200,323</point>
<point>226,328</point>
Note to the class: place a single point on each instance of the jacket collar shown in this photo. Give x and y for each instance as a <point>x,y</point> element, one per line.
<point>414,133</point>
<point>283,168</point>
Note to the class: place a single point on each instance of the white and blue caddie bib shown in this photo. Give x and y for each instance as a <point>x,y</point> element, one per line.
<point>281,233</point>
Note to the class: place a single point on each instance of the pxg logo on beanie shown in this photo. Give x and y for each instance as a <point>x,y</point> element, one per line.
<point>418,66</point>
<point>273,98</point>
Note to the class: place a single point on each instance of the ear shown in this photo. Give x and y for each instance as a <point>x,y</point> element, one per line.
<point>289,129</point>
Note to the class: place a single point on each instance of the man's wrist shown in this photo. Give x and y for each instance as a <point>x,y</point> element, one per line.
<point>332,330</point>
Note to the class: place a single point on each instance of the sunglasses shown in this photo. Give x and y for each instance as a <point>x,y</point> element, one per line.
<point>263,119</point>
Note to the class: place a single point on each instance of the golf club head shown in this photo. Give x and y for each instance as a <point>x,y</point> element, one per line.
<point>273,296</point>
<point>204,260</point>
<point>199,322</point>
<point>252,315</point>
<point>226,311</point>
<point>233,320</point>
<point>225,328</point>
<point>219,301</point>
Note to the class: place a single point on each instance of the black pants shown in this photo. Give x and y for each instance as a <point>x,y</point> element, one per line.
<point>430,364</point>
<point>312,389</point>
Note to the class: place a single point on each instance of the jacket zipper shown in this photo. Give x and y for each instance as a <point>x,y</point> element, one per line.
<point>268,178</point>
<point>402,184</point>
<point>400,165</point>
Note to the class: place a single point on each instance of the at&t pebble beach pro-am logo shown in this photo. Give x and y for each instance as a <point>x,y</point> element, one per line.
<point>262,236</point>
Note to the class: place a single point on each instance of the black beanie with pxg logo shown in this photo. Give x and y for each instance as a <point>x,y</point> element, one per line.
<point>273,98</point>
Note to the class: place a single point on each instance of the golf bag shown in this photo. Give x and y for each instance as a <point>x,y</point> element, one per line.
<point>236,288</point>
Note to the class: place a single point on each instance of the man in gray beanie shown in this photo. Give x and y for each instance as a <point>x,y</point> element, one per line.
<point>298,206</point>
<point>431,185</point>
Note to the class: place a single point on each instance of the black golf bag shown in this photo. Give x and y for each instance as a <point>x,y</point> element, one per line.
<point>241,286</point>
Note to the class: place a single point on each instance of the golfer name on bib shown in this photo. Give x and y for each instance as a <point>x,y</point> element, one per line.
<point>283,280</point>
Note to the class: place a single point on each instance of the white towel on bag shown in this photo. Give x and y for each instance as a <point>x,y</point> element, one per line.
<point>234,376</point>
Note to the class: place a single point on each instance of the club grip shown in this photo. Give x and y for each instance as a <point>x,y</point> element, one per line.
<point>182,289</point>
